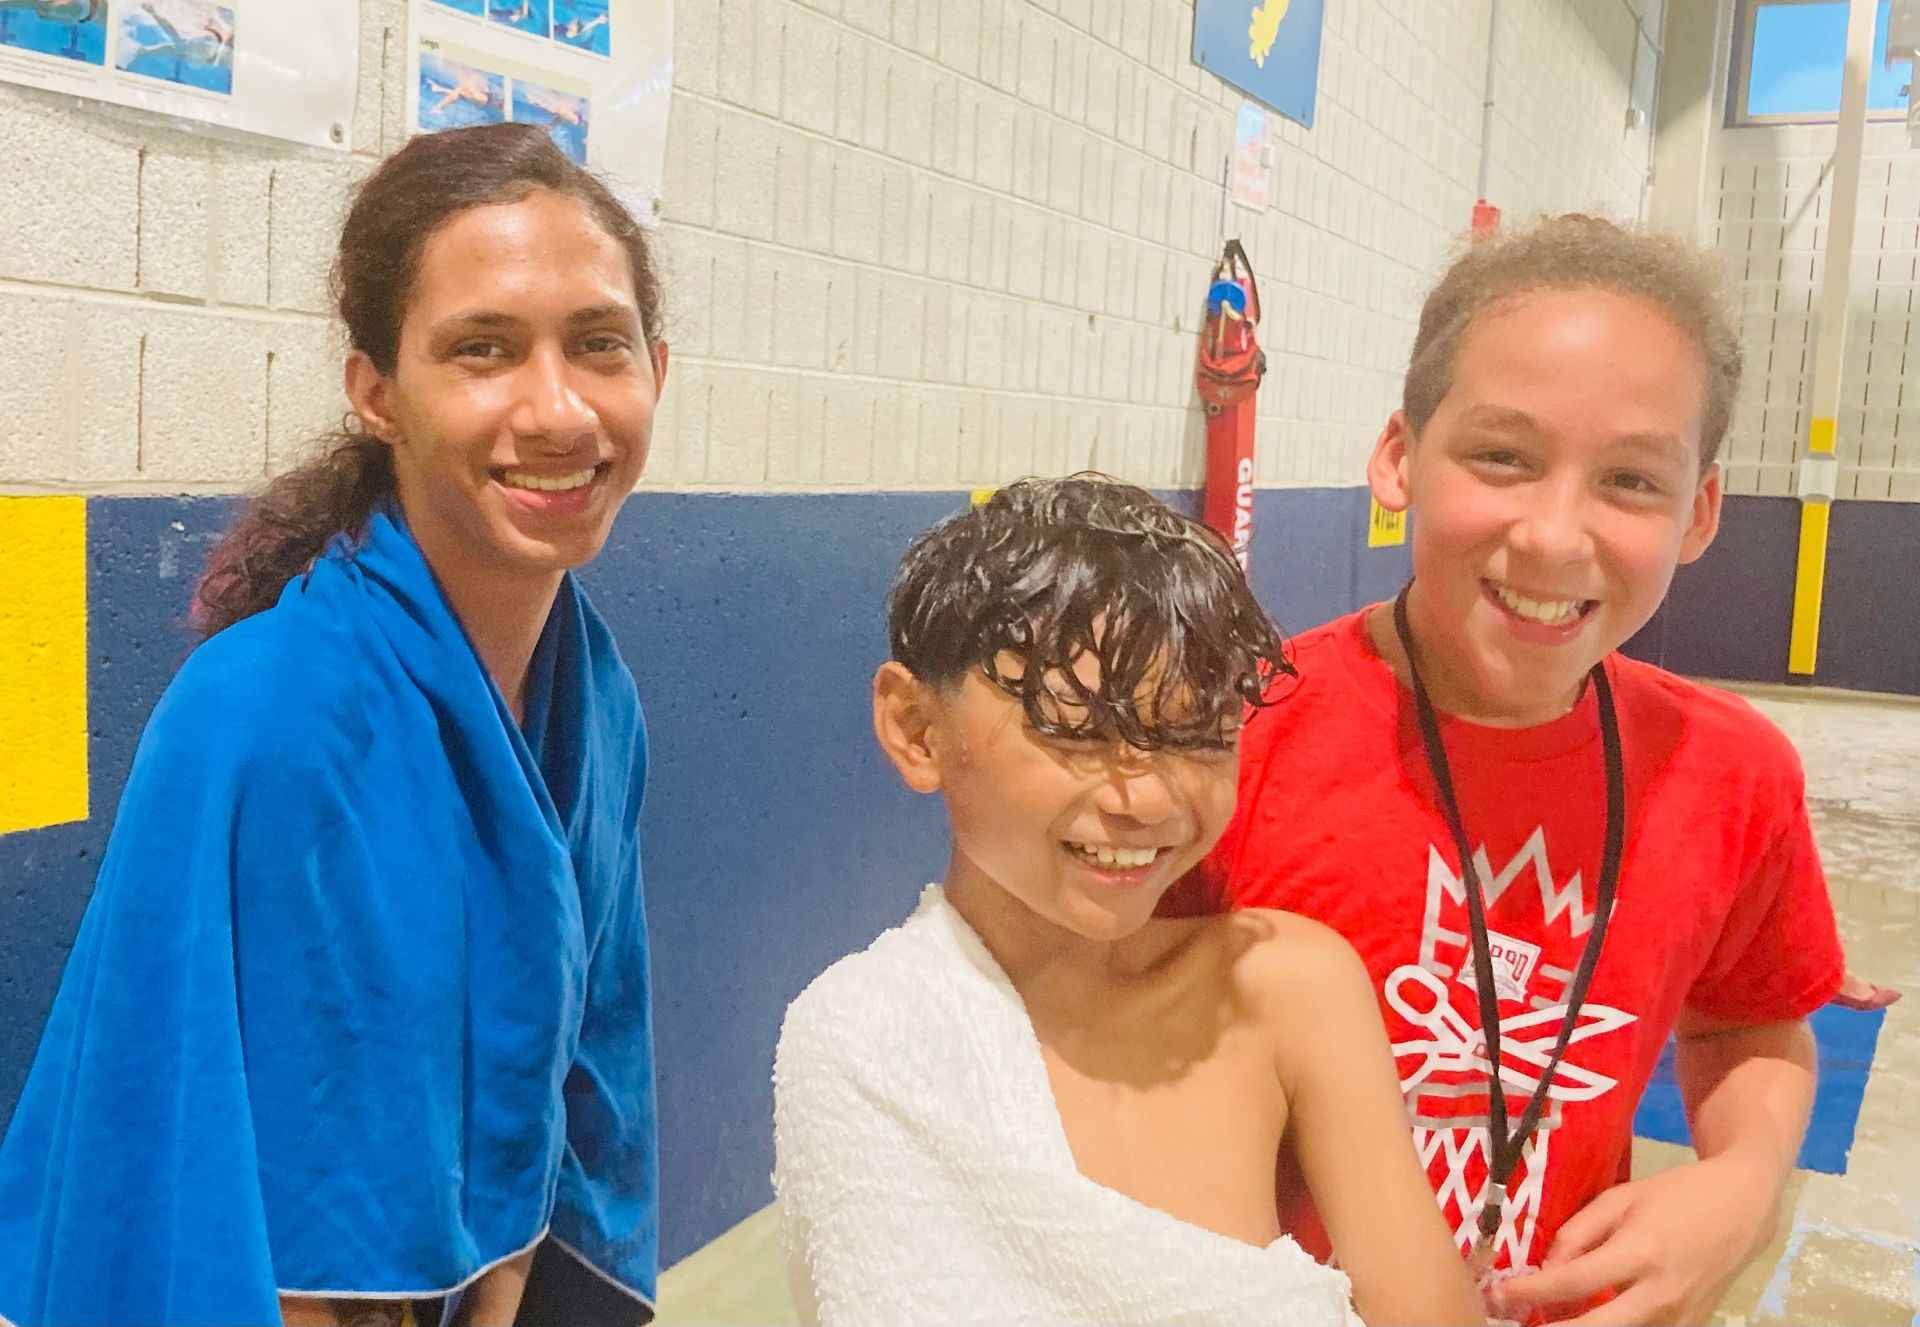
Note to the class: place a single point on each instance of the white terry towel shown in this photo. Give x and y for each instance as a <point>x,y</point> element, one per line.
<point>924,1175</point>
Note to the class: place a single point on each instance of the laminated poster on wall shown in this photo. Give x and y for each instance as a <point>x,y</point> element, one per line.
<point>597,74</point>
<point>284,69</point>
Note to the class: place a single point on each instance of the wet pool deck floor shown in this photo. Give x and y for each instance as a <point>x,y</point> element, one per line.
<point>1848,1247</point>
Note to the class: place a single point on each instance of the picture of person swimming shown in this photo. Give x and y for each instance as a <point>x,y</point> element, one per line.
<point>69,29</point>
<point>189,42</point>
<point>524,15</point>
<point>453,95</point>
<point>583,25</point>
<point>478,8</point>
<point>563,114</point>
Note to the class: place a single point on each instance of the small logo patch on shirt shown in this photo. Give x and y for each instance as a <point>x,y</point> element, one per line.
<point>1513,963</point>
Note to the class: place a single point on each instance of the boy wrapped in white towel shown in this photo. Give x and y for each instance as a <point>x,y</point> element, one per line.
<point>1035,1101</point>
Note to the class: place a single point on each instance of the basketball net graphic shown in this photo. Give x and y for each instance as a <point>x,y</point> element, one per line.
<point>1443,1059</point>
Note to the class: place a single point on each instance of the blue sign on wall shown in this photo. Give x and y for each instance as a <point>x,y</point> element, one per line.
<point>1269,49</point>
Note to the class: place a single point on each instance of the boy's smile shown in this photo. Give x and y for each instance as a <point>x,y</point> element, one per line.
<point>1080,837</point>
<point>1086,834</point>
<point>1556,487</point>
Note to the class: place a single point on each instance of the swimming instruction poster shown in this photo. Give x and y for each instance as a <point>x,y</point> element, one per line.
<point>596,74</point>
<point>280,68</point>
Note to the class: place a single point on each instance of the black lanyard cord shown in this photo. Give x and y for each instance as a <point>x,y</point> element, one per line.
<point>1504,1148</point>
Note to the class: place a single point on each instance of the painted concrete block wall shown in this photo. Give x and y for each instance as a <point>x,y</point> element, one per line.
<point>1771,218</point>
<point>924,243</point>
<point>1761,194</point>
<point>163,301</point>
<point>910,243</point>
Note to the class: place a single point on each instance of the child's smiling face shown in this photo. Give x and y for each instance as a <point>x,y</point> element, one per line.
<point>1555,490</point>
<point>1086,833</point>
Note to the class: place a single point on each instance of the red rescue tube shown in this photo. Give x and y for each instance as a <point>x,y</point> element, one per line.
<point>1228,379</point>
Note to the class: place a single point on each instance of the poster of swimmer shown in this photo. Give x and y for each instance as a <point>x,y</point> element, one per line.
<point>63,29</point>
<point>563,113</point>
<point>189,42</point>
<point>281,69</point>
<point>456,91</point>
<point>596,74</point>
<point>584,25</point>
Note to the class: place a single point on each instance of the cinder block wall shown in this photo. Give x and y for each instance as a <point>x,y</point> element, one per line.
<point>909,243</point>
<point>941,243</point>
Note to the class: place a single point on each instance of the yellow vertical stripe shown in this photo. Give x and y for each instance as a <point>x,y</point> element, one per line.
<point>1810,574</point>
<point>43,662</point>
<point>1803,646</point>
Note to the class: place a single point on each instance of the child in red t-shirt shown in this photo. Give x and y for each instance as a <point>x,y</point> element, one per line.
<point>1567,394</point>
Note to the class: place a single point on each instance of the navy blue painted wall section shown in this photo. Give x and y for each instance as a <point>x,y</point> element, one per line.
<point>1870,617</point>
<point>1310,561</point>
<point>142,556</point>
<point>775,837</point>
<point>1729,615</point>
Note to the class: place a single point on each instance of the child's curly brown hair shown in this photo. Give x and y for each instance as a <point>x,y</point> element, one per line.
<point>1047,571</point>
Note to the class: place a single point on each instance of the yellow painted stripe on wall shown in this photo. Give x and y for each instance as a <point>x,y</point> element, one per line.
<point>1820,436</point>
<point>1809,582</point>
<point>43,662</point>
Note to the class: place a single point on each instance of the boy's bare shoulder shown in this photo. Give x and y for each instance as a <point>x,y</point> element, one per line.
<point>1286,961</point>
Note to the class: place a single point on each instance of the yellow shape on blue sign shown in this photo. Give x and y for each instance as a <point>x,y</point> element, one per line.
<point>1385,528</point>
<point>1264,29</point>
<point>43,662</point>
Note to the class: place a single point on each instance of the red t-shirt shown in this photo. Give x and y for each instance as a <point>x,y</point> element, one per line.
<point>1721,906</point>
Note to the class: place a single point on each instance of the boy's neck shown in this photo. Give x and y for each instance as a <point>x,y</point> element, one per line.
<point>1451,688</point>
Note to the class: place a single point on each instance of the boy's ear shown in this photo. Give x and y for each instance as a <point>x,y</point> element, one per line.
<point>904,712</point>
<point>368,395</point>
<point>1703,522</point>
<point>1387,467</point>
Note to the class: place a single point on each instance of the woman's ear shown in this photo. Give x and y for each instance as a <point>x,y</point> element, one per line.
<point>368,394</point>
<point>905,710</point>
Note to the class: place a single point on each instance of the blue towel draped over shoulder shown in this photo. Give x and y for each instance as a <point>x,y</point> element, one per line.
<point>360,1002</point>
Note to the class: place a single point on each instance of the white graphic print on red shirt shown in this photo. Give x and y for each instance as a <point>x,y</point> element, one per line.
<point>1441,1054</point>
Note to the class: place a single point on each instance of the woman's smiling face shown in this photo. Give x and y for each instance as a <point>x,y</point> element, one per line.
<point>520,406</point>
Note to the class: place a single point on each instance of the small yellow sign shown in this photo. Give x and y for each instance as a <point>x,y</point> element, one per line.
<point>1385,528</point>
<point>980,495</point>
<point>43,662</point>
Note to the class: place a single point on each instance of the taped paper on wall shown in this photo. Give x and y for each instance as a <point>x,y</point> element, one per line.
<point>597,74</point>
<point>283,69</point>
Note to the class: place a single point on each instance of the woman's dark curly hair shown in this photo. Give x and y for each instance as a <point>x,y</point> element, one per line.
<point>1050,570</point>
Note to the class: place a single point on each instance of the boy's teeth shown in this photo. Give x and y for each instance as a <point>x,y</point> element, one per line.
<point>547,484</point>
<point>1553,612</point>
<point>1106,854</point>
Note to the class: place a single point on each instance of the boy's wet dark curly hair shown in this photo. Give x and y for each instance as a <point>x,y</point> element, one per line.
<point>1048,570</point>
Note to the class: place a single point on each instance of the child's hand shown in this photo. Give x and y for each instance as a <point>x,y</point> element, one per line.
<point>1669,1245</point>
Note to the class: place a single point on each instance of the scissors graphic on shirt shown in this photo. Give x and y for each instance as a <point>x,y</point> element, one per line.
<point>1454,1045</point>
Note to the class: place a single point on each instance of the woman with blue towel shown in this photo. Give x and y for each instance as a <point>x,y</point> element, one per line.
<point>356,1027</point>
